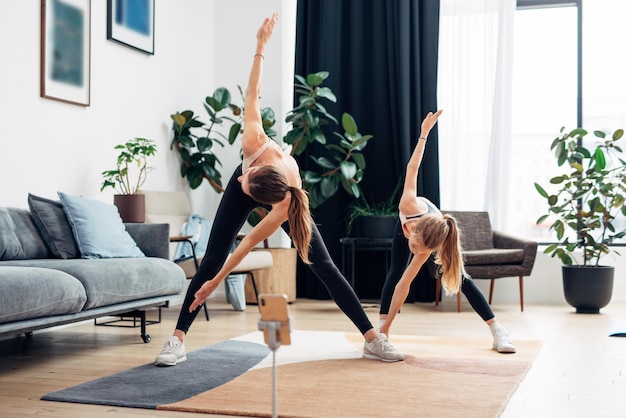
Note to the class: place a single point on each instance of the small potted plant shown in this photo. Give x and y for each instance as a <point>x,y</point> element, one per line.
<point>129,175</point>
<point>590,195</point>
<point>369,219</point>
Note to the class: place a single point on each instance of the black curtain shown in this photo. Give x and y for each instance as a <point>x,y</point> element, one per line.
<point>382,60</point>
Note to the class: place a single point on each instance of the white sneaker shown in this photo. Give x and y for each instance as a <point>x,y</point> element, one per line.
<point>172,353</point>
<point>381,349</point>
<point>502,342</point>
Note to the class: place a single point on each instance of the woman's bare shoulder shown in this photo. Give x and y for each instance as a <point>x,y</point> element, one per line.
<point>251,141</point>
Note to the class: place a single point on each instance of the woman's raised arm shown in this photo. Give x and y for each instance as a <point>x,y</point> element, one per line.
<point>253,124</point>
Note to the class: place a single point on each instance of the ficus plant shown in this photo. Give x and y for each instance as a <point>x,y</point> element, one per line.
<point>342,163</point>
<point>588,197</point>
<point>195,140</point>
<point>132,166</point>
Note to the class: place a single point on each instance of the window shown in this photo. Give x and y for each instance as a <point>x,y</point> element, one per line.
<point>544,100</point>
<point>545,92</point>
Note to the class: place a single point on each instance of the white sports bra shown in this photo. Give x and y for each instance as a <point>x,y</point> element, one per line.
<point>431,209</point>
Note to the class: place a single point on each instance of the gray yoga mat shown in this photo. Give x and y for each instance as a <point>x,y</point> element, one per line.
<point>149,386</point>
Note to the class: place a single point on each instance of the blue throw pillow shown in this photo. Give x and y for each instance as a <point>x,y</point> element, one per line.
<point>98,228</point>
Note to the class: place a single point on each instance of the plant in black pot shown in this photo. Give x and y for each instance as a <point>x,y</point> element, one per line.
<point>129,175</point>
<point>589,196</point>
<point>370,219</point>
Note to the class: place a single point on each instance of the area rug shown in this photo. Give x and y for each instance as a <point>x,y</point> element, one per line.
<point>322,374</point>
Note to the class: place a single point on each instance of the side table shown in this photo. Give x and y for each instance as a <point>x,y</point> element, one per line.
<point>349,248</point>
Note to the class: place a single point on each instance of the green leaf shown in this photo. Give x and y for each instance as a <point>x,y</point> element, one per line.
<point>541,191</point>
<point>348,169</point>
<point>599,158</point>
<point>329,186</point>
<point>349,125</point>
<point>326,93</point>
<point>222,96</point>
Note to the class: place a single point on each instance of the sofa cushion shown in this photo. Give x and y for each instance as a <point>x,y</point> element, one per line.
<point>98,228</point>
<point>19,238</point>
<point>110,281</point>
<point>53,226</point>
<point>28,292</point>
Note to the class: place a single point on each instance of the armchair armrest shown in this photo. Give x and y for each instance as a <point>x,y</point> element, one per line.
<point>266,243</point>
<point>152,239</point>
<point>503,240</point>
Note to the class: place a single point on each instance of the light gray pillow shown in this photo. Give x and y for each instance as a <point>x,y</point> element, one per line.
<point>98,228</point>
<point>53,226</point>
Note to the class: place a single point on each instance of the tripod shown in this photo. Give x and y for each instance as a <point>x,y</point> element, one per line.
<point>273,342</point>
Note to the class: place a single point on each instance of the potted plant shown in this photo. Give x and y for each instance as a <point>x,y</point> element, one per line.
<point>369,219</point>
<point>129,175</point>
<point>590,194</point>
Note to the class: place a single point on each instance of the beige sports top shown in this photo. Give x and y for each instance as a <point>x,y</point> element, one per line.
<point>247,162</point>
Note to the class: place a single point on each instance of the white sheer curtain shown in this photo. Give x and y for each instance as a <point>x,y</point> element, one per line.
<point>474,89</point>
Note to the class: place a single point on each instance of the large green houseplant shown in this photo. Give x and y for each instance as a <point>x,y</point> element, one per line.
<point>129,175</point>
<point>590,194</point>
<point>341,161</point>
<point>195,140</point>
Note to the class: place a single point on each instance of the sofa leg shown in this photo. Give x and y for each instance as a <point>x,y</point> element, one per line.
<point>491,290</point>
<point>145,337</point>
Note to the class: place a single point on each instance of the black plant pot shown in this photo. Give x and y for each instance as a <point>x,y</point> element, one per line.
<point>375,227</point>
<point>588,289</point>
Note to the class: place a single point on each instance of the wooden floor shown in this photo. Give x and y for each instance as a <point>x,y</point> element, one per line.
<point>580,371</point>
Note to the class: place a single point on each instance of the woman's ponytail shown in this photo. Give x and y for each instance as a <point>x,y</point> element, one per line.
<point>300,222</point>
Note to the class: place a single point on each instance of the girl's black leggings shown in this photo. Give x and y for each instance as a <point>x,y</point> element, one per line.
<point>232,212</point>
<point>400,256</point>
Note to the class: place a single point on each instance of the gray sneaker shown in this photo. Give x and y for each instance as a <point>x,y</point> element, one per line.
<point>381,349</point>
<point>502,342</point>
<point>173,352</point>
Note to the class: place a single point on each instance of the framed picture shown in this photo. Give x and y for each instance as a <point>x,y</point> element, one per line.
<point>131,23</point>
<point>66,50</point>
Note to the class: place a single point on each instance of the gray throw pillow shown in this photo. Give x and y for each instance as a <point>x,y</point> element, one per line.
<point>53,226</point>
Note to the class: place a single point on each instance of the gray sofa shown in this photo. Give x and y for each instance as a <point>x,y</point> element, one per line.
<point>45,282</point>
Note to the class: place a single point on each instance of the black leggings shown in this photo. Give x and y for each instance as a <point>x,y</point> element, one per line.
<point>232,212</point>
<point>400,257</point>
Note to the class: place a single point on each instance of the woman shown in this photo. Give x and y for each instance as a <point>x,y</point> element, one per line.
<point>433,239</point>
<point>270,177</point>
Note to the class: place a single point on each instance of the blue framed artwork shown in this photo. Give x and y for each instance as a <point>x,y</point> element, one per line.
<point>131,23</point>
<point>66,50</point>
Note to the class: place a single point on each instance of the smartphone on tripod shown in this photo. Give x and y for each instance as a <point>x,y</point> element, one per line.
<point>273,308</point>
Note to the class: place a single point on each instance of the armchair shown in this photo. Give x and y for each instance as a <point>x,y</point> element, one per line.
<point>490,254</point>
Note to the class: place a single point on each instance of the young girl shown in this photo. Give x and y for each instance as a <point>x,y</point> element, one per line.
<point>426,236</point>
<point>270,177</point>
